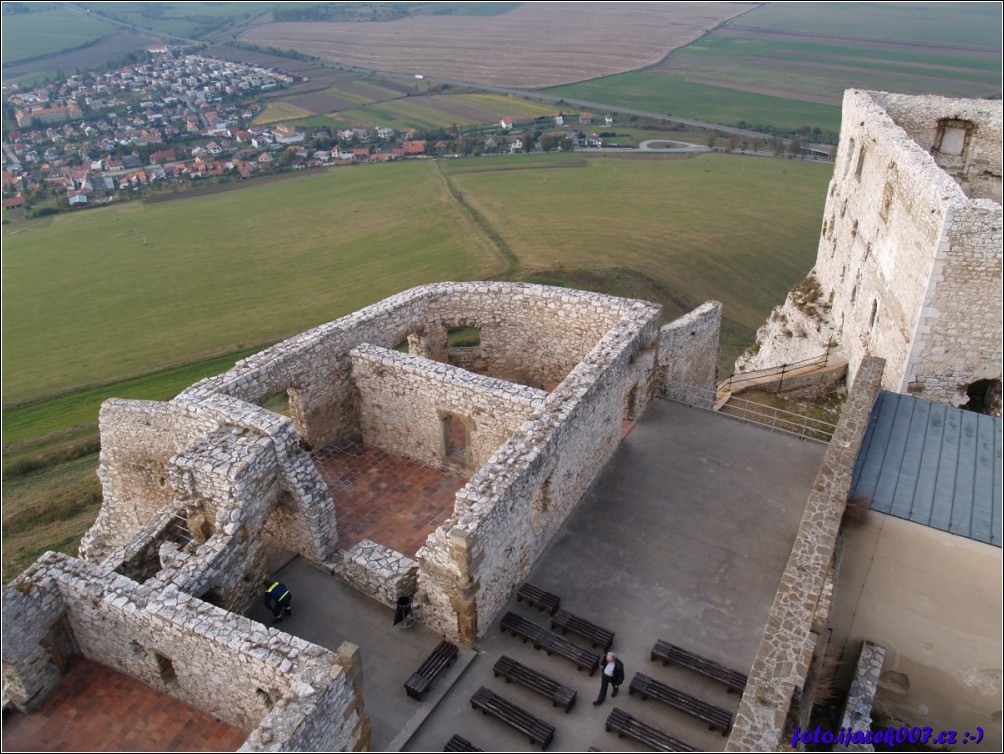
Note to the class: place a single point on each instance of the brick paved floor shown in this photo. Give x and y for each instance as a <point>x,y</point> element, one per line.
<point>391,500</point>
<point>95,708</point>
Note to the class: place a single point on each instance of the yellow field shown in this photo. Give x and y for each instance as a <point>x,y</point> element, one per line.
<point>276,112</point>
<point>534,45</point>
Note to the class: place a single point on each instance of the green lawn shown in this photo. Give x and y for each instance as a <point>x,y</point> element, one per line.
<point>129,289</point>
<point>656,92</point>
<point>29,35</point>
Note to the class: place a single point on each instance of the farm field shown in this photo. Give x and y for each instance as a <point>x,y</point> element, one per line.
<point>443,110</point>
<point>32,35</point>
<point>184,19</point>
<point>517,48</point>
<point>132,288</point>
<point>786,65</point>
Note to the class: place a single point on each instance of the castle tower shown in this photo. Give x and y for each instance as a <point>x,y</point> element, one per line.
<point>909,260</point>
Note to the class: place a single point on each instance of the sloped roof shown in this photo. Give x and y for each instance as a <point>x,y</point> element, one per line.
<point>933,464</point>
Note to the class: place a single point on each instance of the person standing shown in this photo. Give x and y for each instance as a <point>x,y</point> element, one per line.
<point>279,600</point>
<point>611,674</point>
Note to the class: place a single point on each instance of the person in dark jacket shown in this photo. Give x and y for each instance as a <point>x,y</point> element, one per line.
<point>611,674</point>
<point>279,600</point>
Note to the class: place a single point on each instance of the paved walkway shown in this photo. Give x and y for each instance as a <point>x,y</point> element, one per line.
<point>95,708</point>
<point>683,537</point>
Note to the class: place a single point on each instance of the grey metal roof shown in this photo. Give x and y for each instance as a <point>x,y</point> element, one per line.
<point>933,464</point>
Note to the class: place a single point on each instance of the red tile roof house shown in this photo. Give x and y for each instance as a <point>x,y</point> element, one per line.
<point>506,122</point>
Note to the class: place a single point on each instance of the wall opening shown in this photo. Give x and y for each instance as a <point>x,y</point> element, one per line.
<point>861,163</point>
<point>60,645</point>
<point>456,439</point>
<point>953,135</point>
<point>165,668</point>
<point>886,202</point>
<point>873,318</point>
<point>984,397</point>
<point>464,337</point>
<point>268,702</point>
<point>278,403</point>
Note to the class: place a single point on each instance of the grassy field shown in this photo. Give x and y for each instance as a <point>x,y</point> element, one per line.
<point>968,24</point>
<point>276,112</point>
<point>128,289</point>
<point>741,230</point>
<point>187,19</point>
<point>671,95</point>
<point>30,35</point>
<point>786,65</point>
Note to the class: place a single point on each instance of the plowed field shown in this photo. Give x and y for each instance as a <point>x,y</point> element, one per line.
<point>537,44</point>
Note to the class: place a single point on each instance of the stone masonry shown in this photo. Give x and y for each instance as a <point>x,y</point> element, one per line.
<point>910,252</point>
<point>795,624</point>
<point>195,486</point>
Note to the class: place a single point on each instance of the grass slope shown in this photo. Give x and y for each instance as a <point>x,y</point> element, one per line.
<point>740,230</point>
<point>130,289</point>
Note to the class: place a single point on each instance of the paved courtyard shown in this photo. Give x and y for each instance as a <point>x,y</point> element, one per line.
<point>683,536</point>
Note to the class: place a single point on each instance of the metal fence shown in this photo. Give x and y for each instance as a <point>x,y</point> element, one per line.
<point>775,419</point>
<point>780,372</point>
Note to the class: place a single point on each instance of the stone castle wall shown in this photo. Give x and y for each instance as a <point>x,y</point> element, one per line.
<point>259,680</point>
<point>404,402</point>
<point>909,260</point>
<point>679,341</point>
<point>513,505</point>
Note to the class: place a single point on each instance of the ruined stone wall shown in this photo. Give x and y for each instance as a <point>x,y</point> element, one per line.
<point>779,671</point>
<point>197,455</point>
<point>138,439</point>
<point>907,260</point>
<point>688,355</point>
<point>253,678</point>
<point>515,318</point>
<point>405,402</point>
<point>512,506</point>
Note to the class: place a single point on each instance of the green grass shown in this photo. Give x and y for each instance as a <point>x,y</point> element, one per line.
<point>80,408</point>
<point>740,230</point>
<point>970,24</point>
<point>671,95</point>
<point>189,19</point>
<point>48,510</point>
<point>30,35</point>
<point>811,68</point>
<point>125,290</point>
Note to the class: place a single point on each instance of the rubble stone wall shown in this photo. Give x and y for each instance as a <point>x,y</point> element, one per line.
<point>262,681</point>
<point>682,344</point>
<point>779,671</point>
<point>515,318</point>
<point>405,402</point>
<point>512,506</point>
<point>138,439</point>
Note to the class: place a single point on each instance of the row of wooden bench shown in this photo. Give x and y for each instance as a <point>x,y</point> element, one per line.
<point>550,642</point>
<point>564,620</point>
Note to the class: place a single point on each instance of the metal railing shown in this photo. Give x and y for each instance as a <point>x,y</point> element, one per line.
<point>775,419</point>
<point>756,374</point>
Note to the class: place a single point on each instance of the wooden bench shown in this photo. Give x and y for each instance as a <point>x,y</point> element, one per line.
<point>597,635</point>
<point>422,679</point>
<point>459,743</point>
<point>490,703</point>
<point>511,670</point>
<point>537,597</point>
<point>715,717</point>
<point>550,642</point>
<point>621,723</point>
<point>673,655</point>
<point>584,659</point>
<point>524,629</point>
